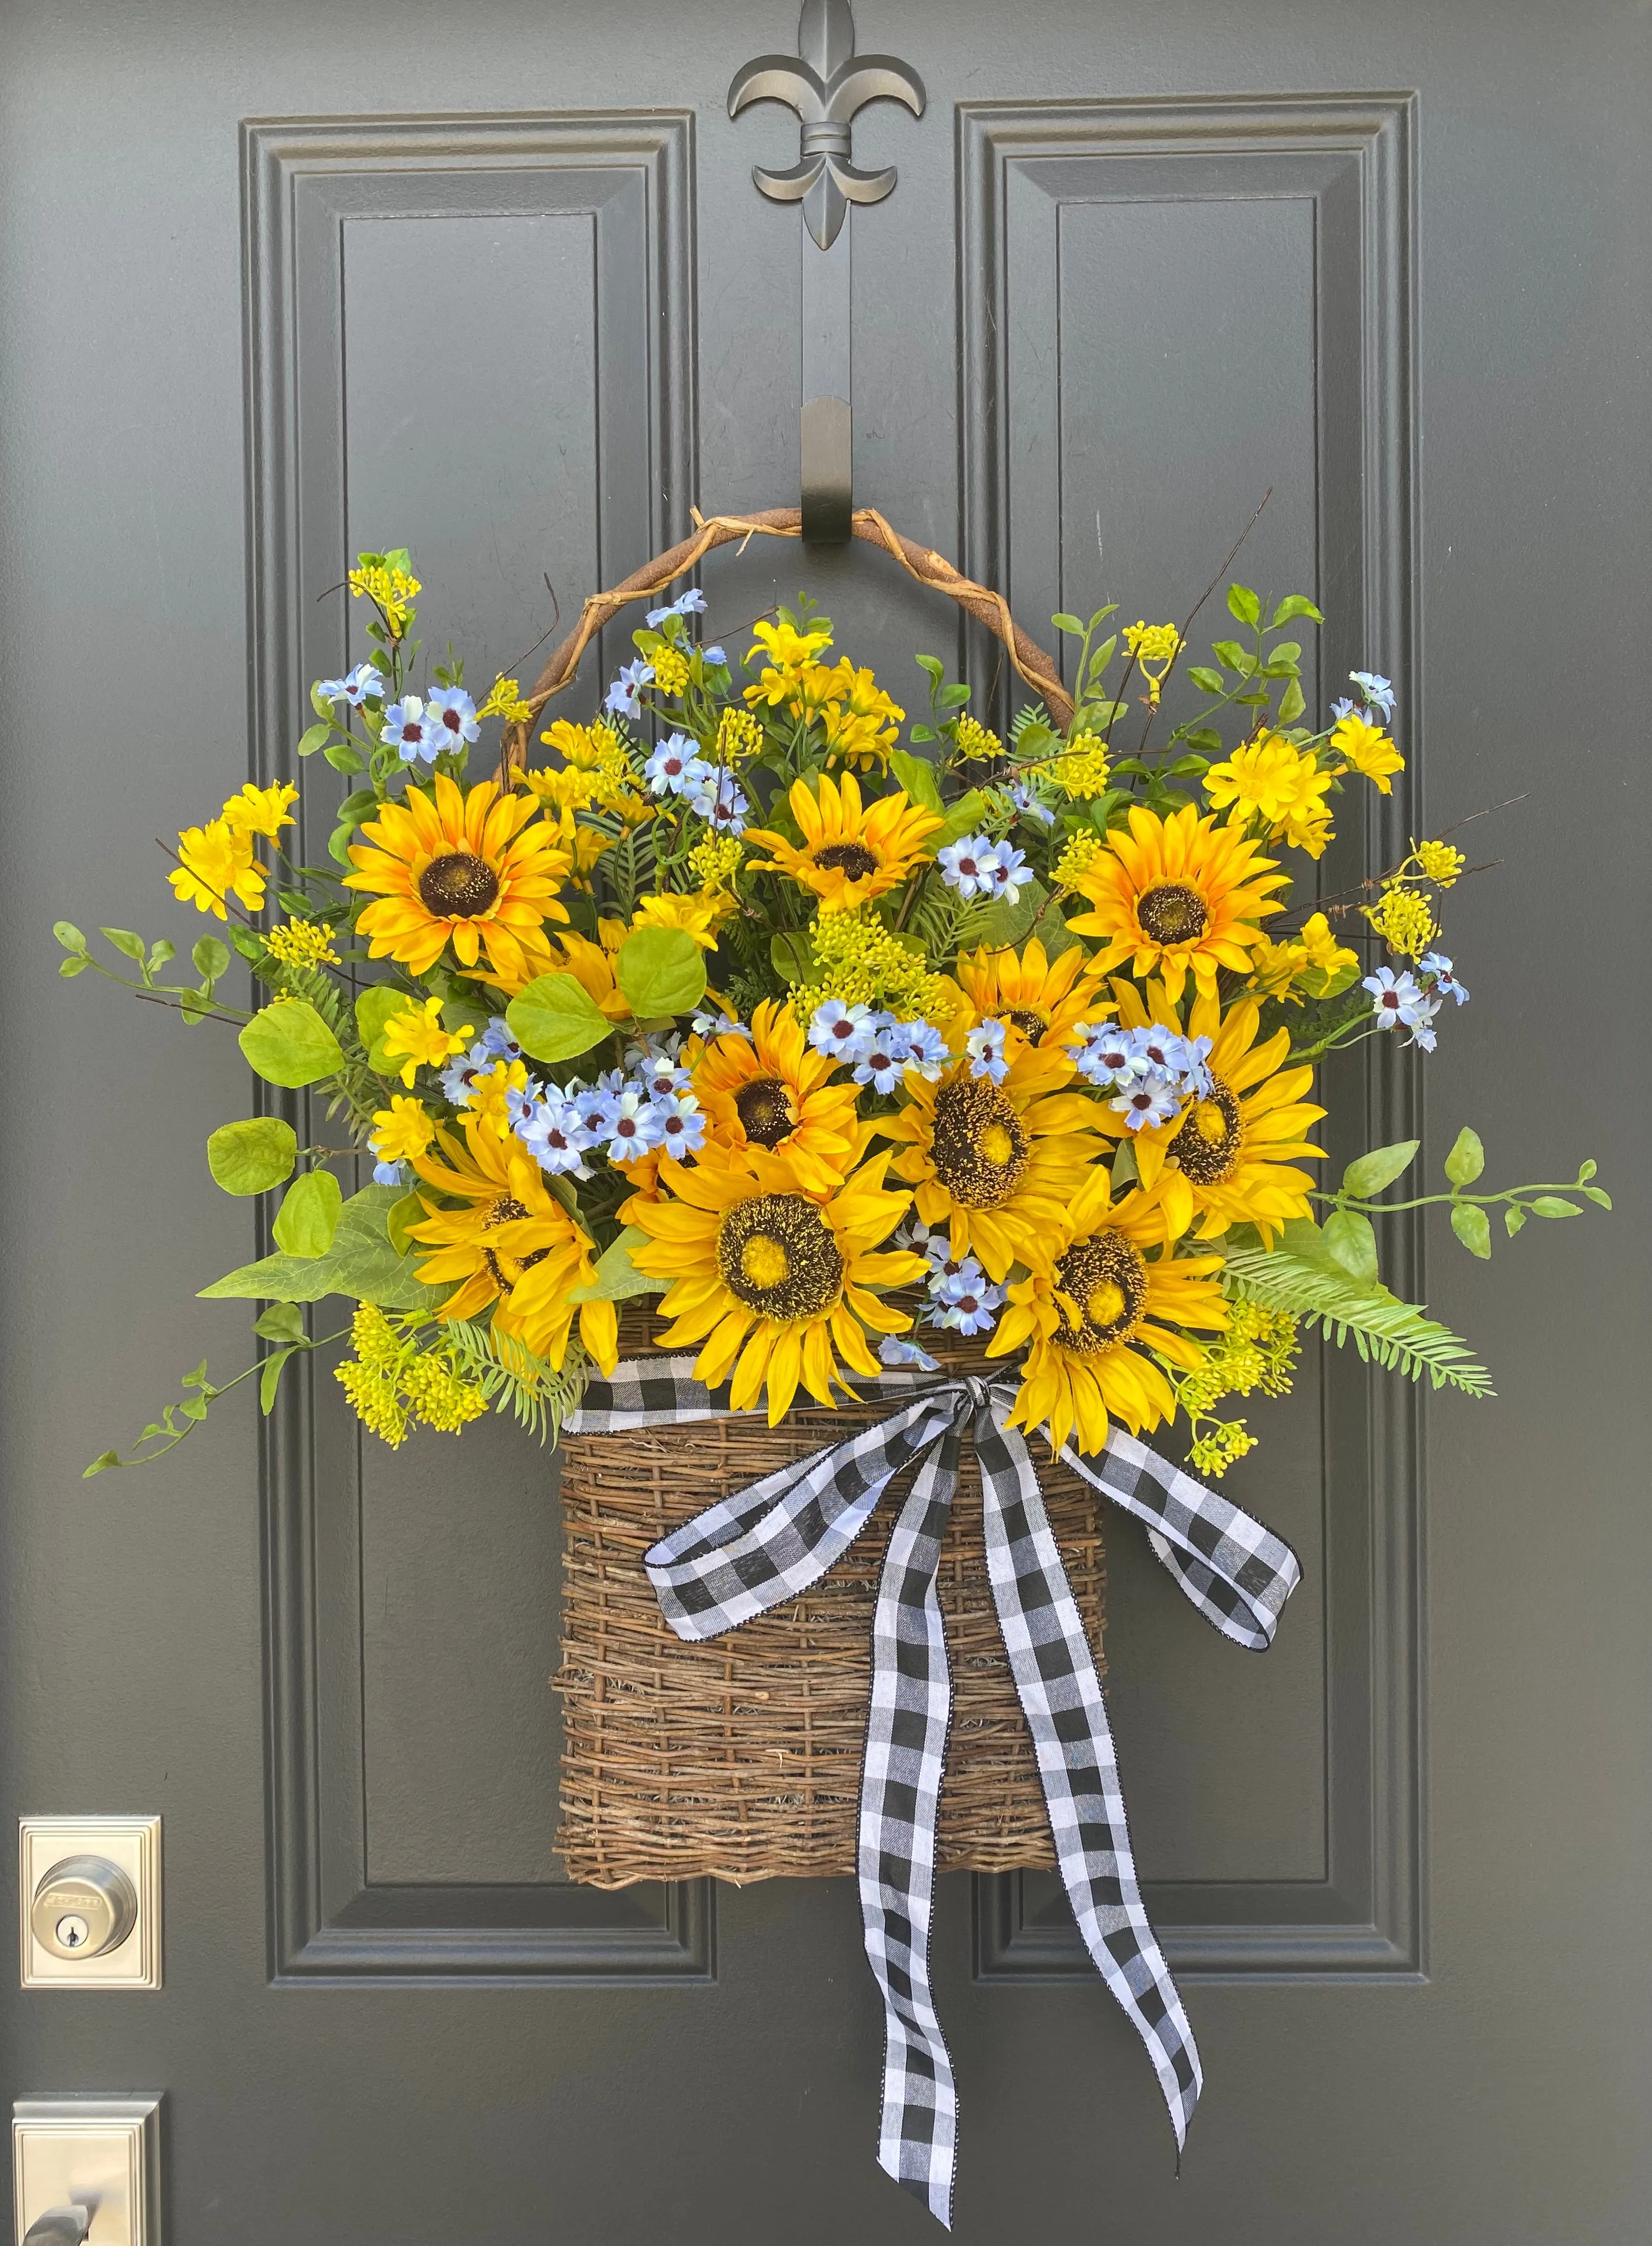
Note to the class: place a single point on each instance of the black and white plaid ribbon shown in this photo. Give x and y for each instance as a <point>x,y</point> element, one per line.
<point>765,1544</point>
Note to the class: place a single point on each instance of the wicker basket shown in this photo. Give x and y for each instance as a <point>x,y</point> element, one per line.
<point>741,1758</point>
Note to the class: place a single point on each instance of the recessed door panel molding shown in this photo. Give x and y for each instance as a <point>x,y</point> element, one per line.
<point>475,337</point>
<point>1082,228</point>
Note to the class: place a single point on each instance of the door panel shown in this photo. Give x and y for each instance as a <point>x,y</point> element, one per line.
<point>277,283</point>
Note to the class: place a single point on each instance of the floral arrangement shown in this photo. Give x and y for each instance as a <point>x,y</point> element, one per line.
<point>829,1040</point>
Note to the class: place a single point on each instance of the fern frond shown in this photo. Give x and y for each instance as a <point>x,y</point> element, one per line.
<point>1385,1332</point>
<point>1031,713</point>
<point>538,1395</point>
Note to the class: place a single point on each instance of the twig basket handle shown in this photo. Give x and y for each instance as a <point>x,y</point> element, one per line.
<point>919,562</point>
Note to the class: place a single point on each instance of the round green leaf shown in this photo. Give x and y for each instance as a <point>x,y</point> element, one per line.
<point>1472,1227</point>
<point>661,970</point>
<point>1466,1159</point>
<point>68,934</point>
<point>211,958</point>
<point>1352,1241</point>
<point>1367,1177</point>
<point>1551,1205</point>
<point>556,1017</point>
<point>290,1044</point>
<point>250,1157</point>
<point>308,1218</point>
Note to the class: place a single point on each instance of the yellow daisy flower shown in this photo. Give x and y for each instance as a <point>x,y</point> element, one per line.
<point>1368,748</point>
<point>776,1282</point>
<point>1088,1322</point>
<point>261,810</point>
<point>775,1092</point>
<point>1281,786</point>
<point>1045,1000</point>
<point>1225,1159</point>
<point>848,854</point>
<point>997,1163</point>
<point>418,1039</point>
<point>215,862</point>
<point>790,654</point>
<point>511,1243</point>
<point>464,869</point>
<point>1177,896</point>
<point>403,1130</point>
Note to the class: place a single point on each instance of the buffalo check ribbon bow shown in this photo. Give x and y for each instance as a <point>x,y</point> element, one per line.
<point>767,1542</point>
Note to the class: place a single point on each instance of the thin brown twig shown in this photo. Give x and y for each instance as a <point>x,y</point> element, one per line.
<point>1192,618</point>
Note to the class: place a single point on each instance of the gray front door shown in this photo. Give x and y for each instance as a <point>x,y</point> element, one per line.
<point>277,283</point>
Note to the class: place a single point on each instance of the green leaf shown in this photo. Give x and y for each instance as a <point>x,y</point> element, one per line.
<point>962,819</point>
<point>933,665</point>
<point>76,965</point>
<point>661,971</point>
<point>409,1209</point>
<point>162,954</point>
<point>212,958</point>
<point>374,1008</point>
<point>345,756</point>
<point>1514,1218</point>
<point>338,843</point>
<point>251,1157</point>
<point>68,934</point>
<point>1586,1171</point>
<point>1472,1227</point>
<point>1232,657</point>
<point>361,1263</point>
<point>319,703</point>
<point>310,741</point>
<point>953,697</point>
<point>1207,681</point>
<point>290,1044</point>
<point>1063,622</point>
<point>1292,702</point>
<point>124,940</point>
<point>101,1464</point>
<point>1383,1330</point>
<point>924,733</point>
<point>1366,1178</point>
<point>269,1380</point>
<point>917,776</point>
<point>792,955</point>
<point>1007,921</point>
<point>1598,1194</point>
<point>1244,604</point>
<point>1351,1239</point>
<point>281,1322</point>
<point>308,1217</point>
<point>1293,604</point>
<point>617,1277</point>
<point>1552,1205</point>
<point>556,1018</point>
<point>1466,1159</point>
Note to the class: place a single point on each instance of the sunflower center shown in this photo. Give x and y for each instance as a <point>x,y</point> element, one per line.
<point>508,1269</point>
<point>776,1254</point>
<point>764,1108</point>
<point>1172,913</point>
<point>457,885</point>
<point>1031,1025</point>
<point>979,1148</point>
<point>1107,1279</point>
<point>853,860</point>
<point>1207,1144</point>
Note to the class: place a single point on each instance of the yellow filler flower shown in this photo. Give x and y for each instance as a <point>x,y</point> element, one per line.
<point>1227,1157</point>
<point>848,854</point>
<point>1178,897</point>
<point>464,869</point>
<point>775,1092</point>
<point>509,1242</point>
<point>776,1282</point>
<point>996,1164</point>
<point>1088,1322</point>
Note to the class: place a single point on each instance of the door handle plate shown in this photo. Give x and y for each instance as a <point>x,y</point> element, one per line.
<point>102,2154</point>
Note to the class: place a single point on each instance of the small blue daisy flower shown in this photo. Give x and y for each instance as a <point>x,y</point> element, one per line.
<point>1010,872</point>
<point>452,717</point>
<point>970,865</point>
<point>717,799</point>
<point>1028,803</point>
<point>926,1050</point>
<point>1108,1055</point>
<point>892,1350</point>
<point>389,1174</point>
<point>411,731</point>
<point>884,1056</point>
<point>1378,691</point>
<point>839,1032</point>
<point>714,658</point>
<point>711,1027</point>
<point>681,1125</point>
<point>971,1301</point>
<point>675,766</point>
<point>497,1040</point>
<point>632,1127</point>
<point>691,603</point>
<point>1147,1101</point>
<point>623,697</point>
<point>555,1137</point>
<point>985,1047</point>
<point>362,685</point>
<point>1445,985</point>
<point>1396,1000</point>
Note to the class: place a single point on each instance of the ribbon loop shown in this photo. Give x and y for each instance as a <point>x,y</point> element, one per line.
<point>766,1543</point>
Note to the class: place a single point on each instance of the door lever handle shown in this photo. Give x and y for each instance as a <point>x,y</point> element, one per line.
<point>59,2226</point>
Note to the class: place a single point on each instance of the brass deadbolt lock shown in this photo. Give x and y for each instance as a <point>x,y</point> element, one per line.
<point>83,1907</point>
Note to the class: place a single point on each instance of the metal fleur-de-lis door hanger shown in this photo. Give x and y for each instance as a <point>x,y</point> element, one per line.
<point>826,83</point>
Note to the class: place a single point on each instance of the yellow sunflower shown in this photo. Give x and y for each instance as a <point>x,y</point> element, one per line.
<point>848,854</point>
<point>997,1163</point>
<point>1177,895</point>
<point>465,869</point>
<point>511,1243</point>
<point>1044,998</point>
<point>1087,1323</point>
<point>1225,1159</point>
<point>776,1092</point>
<point>778,1282</point>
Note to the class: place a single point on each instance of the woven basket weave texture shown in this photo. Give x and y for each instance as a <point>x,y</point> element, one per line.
<point>741,1757</point>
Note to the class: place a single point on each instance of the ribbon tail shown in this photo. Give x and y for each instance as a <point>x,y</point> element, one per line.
<point>1060,1697</point>
<point>911,1708</point>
